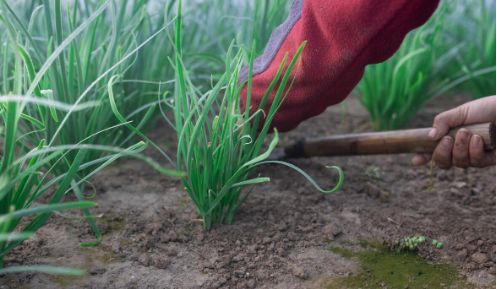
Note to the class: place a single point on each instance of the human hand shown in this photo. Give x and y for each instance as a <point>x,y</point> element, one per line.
<point>465,150</point>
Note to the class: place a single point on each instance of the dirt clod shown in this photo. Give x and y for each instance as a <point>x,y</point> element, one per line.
<point>97,271</point>
<point>251,284</point>
<point>299,272</point>
<point>144,260</point>
<point>479,258</point>
<point>161,262</point>
<point>220,265</point>
<point>133,257</point>
<point>461,255</point>
<point>240,273</point>
<point>116,247</point>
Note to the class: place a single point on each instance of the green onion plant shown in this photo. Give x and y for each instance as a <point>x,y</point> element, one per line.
<point>69,55</point>
<point>470,26</point>
<point>23,181</point>
<point>28,175</point>
<point>48,127</point>
<point>219,146</point>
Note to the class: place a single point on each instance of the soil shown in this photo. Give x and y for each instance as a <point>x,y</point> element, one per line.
<point>281,237</point>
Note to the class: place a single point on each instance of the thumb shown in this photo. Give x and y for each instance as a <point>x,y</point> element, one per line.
<point>447,120</point>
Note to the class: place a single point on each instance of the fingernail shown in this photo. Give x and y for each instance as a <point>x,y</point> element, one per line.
<point>463,134</point>
<point>475,140</point>
<point>433,132</point>
<point>447,142</point>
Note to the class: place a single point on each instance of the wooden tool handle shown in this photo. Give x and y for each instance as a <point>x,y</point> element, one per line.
<point>390,142</point>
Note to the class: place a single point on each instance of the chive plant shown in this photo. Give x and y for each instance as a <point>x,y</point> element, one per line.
<point>245,21</point>
<point>28,174</point>
<point>219,146</point>
<point>69,54</point>
<point>22,181</point>
<point>37,161</point>
<point>471,27</point>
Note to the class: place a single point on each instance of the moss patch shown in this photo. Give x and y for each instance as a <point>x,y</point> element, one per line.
<point>380,267</point>
<point>114,222</point>
<point>94,257</point>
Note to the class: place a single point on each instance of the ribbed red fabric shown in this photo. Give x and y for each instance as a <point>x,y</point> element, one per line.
<point>343,36</point>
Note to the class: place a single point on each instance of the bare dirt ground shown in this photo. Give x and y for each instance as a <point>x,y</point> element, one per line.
<point>281,236</point>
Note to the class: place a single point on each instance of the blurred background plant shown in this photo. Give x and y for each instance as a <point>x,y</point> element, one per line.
<point>68,55</point>
<point>453,52</point>
<point>471,28</point>
<point>395,90</point>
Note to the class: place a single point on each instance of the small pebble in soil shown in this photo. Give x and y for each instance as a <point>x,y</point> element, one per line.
<point>266,240</point>
<point>251,283</point>
<point>238,258</point>
<point>299,272</point>
<point>240,273</point>
<point>162,262</point>
<point>97,271</point>
<point>220,265</point>
<point>45,251</point>
<point>471,248</point>
<point>144,260</point>
<point>461,255</point>
<point>133,257</point>
<point>116,247</point>
<point>479,258</point>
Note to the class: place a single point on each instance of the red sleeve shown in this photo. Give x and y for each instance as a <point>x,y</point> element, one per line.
<point>342,38</point>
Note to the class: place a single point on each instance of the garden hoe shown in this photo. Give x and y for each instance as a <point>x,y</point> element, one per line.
<point>374,143</point>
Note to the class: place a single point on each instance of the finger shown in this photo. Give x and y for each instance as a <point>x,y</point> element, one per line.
<point>420,159</point>
<point>460,150</point>
<point>443,153</point>
<point>476,151</point>
<point>477,155</point>
<point>446,120</point>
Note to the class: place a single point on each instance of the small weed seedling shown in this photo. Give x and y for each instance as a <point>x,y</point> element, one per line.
<point>437,244</point>
<point>409,244</point>
<point>374,173</point>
